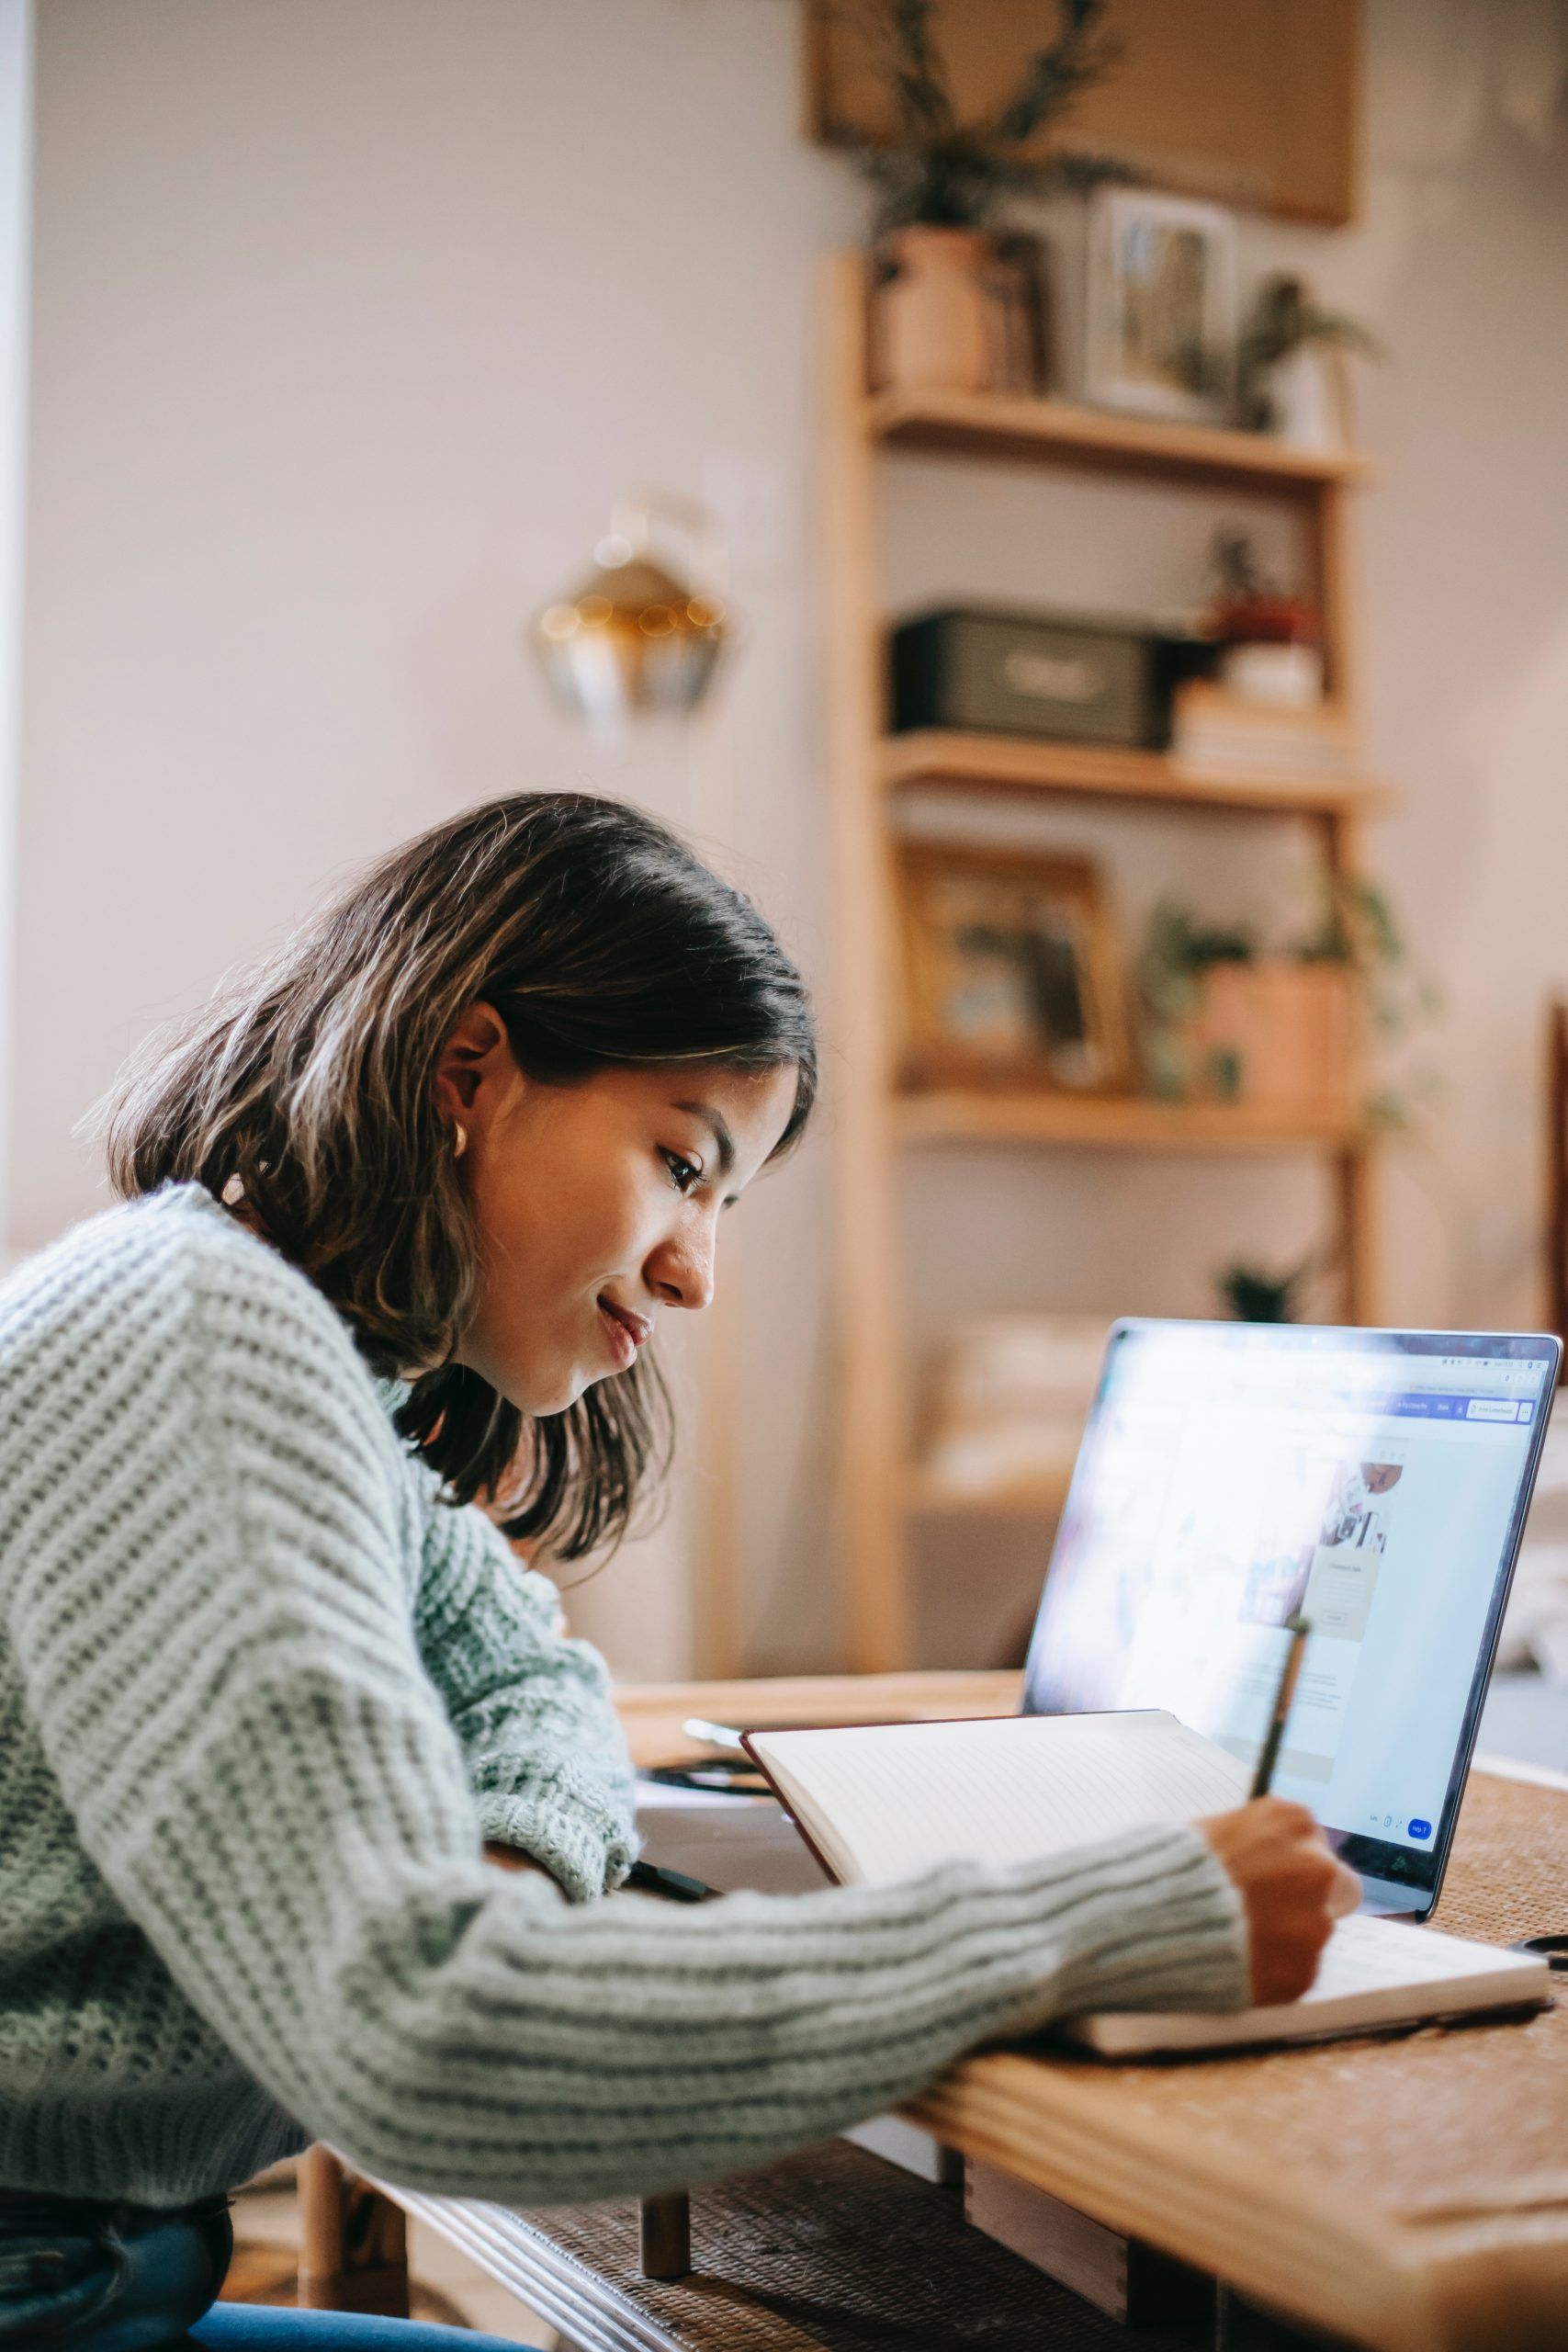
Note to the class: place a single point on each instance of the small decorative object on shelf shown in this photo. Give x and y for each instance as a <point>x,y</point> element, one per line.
<point>1292,376</point>
<point>1055,677</point>
<point>1020,314</point>
<point>956,309</point>
<point>1272,641</point>
<point>1215,731</point>
<point>937,319</point>
<point>1012,974</point>
<point>1160,314</point>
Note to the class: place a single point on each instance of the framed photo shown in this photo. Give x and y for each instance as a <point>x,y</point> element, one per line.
<point>1160,312</point>
<point>1011,971</point>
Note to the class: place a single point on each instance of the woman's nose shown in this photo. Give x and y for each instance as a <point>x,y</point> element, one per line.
<point>681,1272</point>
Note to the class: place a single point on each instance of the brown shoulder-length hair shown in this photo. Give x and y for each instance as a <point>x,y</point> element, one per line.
<point>602,942</point>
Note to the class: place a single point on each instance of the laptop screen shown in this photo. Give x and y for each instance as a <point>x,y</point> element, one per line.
<point>1232,1474</point>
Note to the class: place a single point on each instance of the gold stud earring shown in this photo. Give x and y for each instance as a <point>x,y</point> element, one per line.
<point>459,1139</point>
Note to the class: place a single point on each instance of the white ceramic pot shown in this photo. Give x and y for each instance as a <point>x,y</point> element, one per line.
<point>1311,391</point>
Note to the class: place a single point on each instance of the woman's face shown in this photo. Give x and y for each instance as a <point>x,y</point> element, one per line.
<point>597,1203</point>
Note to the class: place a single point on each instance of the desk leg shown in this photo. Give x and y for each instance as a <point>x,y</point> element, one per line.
<point>664,2230</point>
<point>352,2242</point>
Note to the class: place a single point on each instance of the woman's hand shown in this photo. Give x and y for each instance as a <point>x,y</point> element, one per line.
<point>1292,1890</point>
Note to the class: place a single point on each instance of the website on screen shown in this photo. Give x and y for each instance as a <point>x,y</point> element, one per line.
<point>1223,1490</point>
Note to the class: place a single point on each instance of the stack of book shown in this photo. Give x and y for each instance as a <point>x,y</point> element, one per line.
<point>1216,733</point>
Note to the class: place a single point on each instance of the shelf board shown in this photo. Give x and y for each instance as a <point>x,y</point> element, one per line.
<point>1092,771</point>
<point>995,425</point>
<point>925,1495</point>
<point>1113,1121</point>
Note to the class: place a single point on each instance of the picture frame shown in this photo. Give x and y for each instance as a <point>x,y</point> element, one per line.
<point>1012,973</point>
<point>1160,311</point>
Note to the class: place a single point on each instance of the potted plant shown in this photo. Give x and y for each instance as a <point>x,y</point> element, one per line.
<point>940,180</point>
<point>1229,1023</point>
<point>1355,932</point>
<point>1272,1029</point>
<point>1253,1293</point>
<point>1270,641</point>
<point>1292,377</point>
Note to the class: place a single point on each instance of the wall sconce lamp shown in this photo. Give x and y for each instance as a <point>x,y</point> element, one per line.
<point>634,638</point>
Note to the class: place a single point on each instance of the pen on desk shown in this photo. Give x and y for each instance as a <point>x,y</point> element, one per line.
<point>713,1735</point>
<point>1298,1629</point>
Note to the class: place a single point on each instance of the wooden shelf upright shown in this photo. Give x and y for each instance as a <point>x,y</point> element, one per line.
<point>876,1122</point>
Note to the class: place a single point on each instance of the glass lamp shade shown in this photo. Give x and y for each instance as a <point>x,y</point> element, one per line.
<point>632,639</point>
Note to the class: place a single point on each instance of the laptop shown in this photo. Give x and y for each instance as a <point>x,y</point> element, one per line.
<point>1231,1474</point>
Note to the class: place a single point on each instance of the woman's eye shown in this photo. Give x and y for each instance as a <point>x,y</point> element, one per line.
<point>683,1174</point>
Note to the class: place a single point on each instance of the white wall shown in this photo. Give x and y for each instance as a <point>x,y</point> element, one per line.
<point>15,248</point>
<point>352,317</point>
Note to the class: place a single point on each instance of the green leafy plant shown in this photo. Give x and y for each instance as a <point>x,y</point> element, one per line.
<point>1179,952</point>
<point>944,172</point>
<point>1249,607</point>
<point>1352,923</point>
<point>1252,1294</point>
<point>1355,925</point>
<point>1285,316</point>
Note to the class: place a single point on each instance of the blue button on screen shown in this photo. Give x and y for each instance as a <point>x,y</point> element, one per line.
<point>1420,1829</point>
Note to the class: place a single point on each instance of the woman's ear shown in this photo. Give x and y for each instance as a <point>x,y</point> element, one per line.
<point>475,1060</point>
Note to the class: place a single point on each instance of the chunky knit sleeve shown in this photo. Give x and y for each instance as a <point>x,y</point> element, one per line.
<point>530,1706</point>
<point>214,1632</point>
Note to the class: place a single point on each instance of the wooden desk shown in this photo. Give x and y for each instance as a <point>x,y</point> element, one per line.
<point>652,1712</point>
<point>1407,2192</point>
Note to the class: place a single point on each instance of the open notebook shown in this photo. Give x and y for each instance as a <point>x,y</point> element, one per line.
<point>880,1801</point>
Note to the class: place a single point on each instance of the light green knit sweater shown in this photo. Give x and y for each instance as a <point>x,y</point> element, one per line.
<point>263,1695</point>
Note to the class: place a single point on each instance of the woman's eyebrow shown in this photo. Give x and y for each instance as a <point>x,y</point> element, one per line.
<point>714,1120</point>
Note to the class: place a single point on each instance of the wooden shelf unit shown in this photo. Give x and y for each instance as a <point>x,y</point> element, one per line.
<point>1011,764</point>
<point>1009,430</point>
<point>1112,1123</point>
<point>878,1118</point>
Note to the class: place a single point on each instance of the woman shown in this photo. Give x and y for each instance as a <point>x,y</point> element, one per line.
<point>401,1213</point>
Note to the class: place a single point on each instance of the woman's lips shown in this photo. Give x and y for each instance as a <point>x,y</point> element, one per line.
<point>624,1330</point>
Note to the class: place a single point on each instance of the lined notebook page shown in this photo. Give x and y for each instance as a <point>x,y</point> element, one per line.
<point>883,1800</point>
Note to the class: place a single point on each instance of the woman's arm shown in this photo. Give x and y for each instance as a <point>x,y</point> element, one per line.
<point>208,1605</point>
<point>530,1706</point>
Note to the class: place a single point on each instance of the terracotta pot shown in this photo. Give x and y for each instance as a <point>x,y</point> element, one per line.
<point>933,322</point>
<point>1275,1035</point>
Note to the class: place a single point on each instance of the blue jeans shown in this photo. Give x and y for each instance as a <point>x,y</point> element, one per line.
<point>248,2327</point>
<point>92,2277</point>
